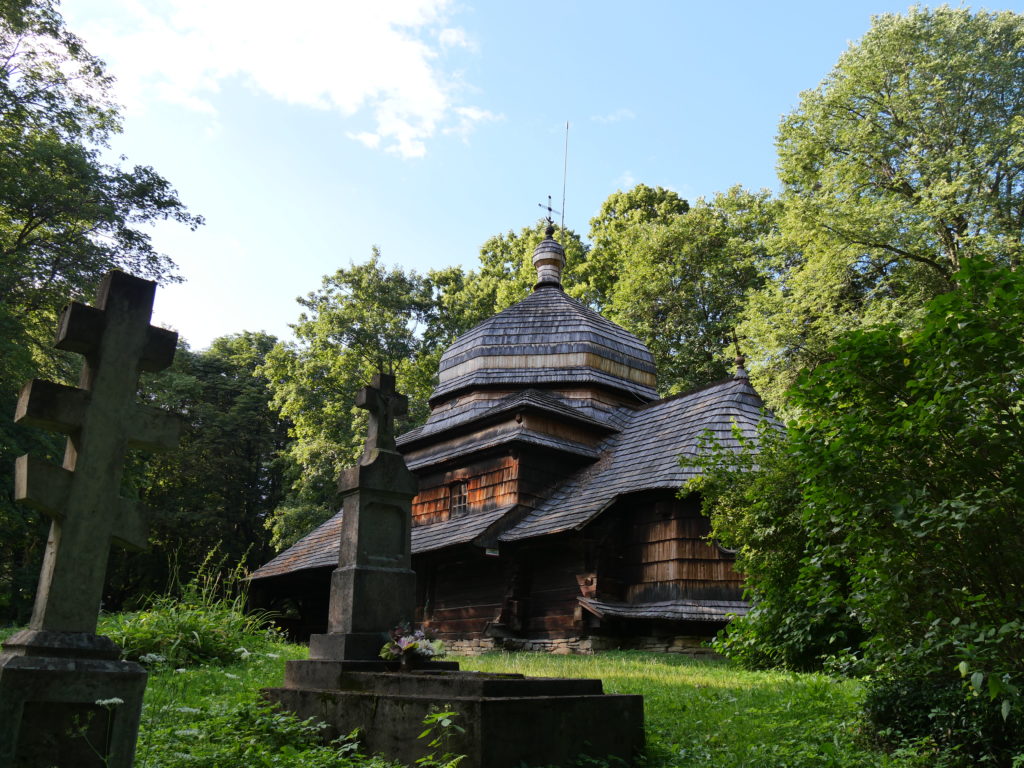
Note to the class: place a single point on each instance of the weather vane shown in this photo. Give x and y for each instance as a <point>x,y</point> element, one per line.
<point>550,210</point>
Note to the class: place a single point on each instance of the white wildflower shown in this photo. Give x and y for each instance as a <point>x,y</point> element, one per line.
<point>187,732</point>
<point>243,654</point>
<point>152,658</point>
<point>179,670</point>
<point>188,710</point>
<point>273,655</point>
<point>230,676</point>
<point>109,702</point>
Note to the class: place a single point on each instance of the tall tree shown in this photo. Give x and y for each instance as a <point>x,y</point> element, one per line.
<point>906,160</point>
<point>622,214</point>
<point>226,478</point>
<point>364,319</point>
<point>66,218</point>
<point>893,511</point>
<point>683,281</point>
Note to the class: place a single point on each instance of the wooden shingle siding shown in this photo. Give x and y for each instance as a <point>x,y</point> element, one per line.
<point>667,556</point>
<point>490,484</point>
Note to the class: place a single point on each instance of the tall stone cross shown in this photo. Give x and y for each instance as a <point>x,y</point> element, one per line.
<point>384,404</point>
<point>374,587</point>
<point>102,421</point>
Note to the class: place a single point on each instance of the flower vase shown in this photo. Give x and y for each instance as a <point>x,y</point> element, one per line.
<point>410,662</point>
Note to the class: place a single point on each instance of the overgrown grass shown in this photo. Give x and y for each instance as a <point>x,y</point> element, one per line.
<point>200,621</point>
<point>698,714</point>
<point>202,704</point>
<point>709,713</point>
<point>209,716</point>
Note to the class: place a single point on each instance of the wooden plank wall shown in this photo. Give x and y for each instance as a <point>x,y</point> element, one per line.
<point>540,474</point>
<point>667,556</point>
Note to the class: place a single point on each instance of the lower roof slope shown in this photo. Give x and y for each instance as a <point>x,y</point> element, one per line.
<point>645,454</point>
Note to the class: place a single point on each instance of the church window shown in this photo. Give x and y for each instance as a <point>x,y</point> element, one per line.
<point>458,499</point>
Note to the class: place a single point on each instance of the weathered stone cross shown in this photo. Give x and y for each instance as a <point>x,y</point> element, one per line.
<point>102,421</point>
<point>384,404</point>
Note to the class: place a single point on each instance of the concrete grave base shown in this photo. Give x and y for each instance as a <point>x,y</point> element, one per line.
<point>50,683</point>
<point>509,720</point>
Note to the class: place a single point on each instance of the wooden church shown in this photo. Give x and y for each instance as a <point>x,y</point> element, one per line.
<point>547,516</point>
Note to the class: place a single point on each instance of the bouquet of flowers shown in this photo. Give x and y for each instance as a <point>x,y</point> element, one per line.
<point>404,643</point>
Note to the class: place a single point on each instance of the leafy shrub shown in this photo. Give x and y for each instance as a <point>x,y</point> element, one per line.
<point>255,734</point>
<point>964,729</point>
<point>205,623</point>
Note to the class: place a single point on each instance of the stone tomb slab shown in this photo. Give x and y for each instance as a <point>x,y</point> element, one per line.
<point>49,687</point>
<point>509,720</point>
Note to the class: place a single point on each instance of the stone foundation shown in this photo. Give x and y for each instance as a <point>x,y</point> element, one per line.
<point>688,645</point>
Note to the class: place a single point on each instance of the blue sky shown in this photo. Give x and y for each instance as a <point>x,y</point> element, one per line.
<point>307,133</point>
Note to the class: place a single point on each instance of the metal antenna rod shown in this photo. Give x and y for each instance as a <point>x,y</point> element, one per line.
<point>565,171</point>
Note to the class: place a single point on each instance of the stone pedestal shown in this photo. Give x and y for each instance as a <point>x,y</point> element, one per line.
<point>50,686</point>
<point>509,720</point>
<point>374,587</point>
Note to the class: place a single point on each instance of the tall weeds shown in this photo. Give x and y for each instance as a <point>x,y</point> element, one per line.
<point>202,620</point>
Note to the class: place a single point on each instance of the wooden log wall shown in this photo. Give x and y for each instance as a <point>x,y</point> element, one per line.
<point>553,566</point>
<point>667,555</point>
<point>461,598</point>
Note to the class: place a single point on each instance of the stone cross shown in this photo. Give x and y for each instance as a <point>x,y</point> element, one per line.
<point>374,587</point>
<point>384,404</point>
<point>102,421</point>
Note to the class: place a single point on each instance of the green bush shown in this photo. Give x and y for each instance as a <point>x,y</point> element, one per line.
<point>937,713</point>
<point>205,623</point>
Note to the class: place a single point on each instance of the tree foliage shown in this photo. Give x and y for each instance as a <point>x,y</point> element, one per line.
<point>216,491</point>
<point>365,319</point>
<point>614,228</point>
<point>67,216</point>
<point>683,280</point>
<point>906,160</point>
<point>906,523</point>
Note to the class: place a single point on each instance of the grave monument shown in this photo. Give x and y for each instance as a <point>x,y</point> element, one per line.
<point>507,719</point>
<point>66,699</point>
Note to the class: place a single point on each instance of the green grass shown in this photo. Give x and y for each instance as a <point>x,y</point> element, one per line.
<point>709,713</point>
<point>698,713</point>
<point>207,716</point>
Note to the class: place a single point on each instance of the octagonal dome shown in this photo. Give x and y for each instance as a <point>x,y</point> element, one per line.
<point>547,340</point>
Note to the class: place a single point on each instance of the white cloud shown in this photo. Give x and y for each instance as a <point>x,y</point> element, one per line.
<point>380,59</point>
<point>371,140</point>
<point>626,180</point>
<point>468,117</point>
<point>454,37</point>
<point>614,117</point>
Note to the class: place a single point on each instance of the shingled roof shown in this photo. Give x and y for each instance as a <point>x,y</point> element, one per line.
<point>320,548</point>
<point>547,338</point>
<point>476,413</point>
<point>645,454</point>
<point>668,610</point>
